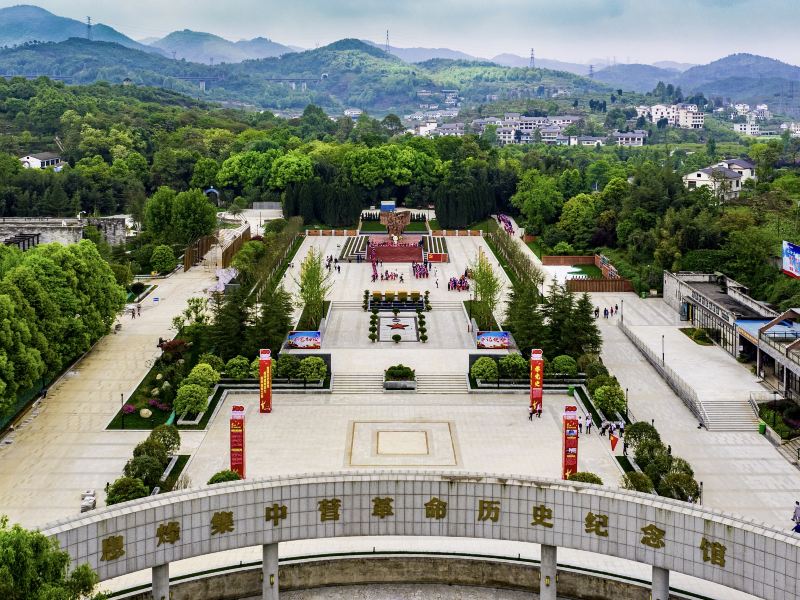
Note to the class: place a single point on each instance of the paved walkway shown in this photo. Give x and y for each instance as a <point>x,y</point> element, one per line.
<point>741,471</point>
<point>66,449</point>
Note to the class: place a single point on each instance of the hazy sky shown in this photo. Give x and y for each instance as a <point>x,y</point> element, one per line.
<point>576,30</point>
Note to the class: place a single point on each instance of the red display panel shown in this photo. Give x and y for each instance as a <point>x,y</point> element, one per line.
<point>265,381</point>
<point>569,459</point>
<point>537,379</point>
<point>237,440</point>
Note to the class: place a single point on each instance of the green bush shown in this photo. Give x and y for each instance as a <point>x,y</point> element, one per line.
<point>163,259</point>
<point>203,375</point>
<point>484,368</point>
<point>610,399</point>
<point>680,486</point>
<point>396,338</point>
<point>374,336</point>
<point>153,449</point>
<point>214,361</point>
<point>597,382</point>
<point>564,365</point>
<point>513,366</point>
<point>637,482</point>
<point>145,468</point>
<point>584,360</point>
<point>168,436</point>
<point>223,476</point>
<point>636,433</point>
<point>563,249</point>
<point>125,489</point>
<point>595,369</point>
<point>679,465</point>
<point>647,450</point>
<point>399,373</point>
<point>191,399</point>
<point>137,287</point>
<point>586,477</point>
<point>287,367</point>
<point>255,368</point>
<point>238,367</point>
<point>312,368</point>
<point>423,338</point>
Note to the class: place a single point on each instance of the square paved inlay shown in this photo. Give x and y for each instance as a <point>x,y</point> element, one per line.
<point>402,442</point>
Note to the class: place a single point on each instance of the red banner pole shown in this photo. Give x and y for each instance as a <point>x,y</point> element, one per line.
<point>569,459</point>
<point>265,381</point>
<point>537,379</point>
<point>237,440</point>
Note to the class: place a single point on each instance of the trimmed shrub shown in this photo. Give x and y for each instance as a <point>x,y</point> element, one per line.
<point>638,432</point>
<point>396,338</point>
<point>637,482</point>
<point>399,373</point>
<point>137,287</point>
<point>168,436</point>
<point>223,476</point>
<point>595,369</point>
<point>153,449</point>
<point>610,399</point>
<point>647,451</point>
<point>484,368</point>
<point>313,367</point>
<point>255,368</point>
<point>586,477</point>
<point>163,259</point>
<point>146,468</point>
<point>679,486</point>
<point>599,382</point>
<point>125,489</point>
<point>373,337</point>
<point>513,366</point>
<point>584,360</point>
<point>238,367</point>
<point>287,367</point>
<point>564,365</point>
<point>202,375</point>
<point>423,338</point>
<point>212,360</point>
<point>191,399</point>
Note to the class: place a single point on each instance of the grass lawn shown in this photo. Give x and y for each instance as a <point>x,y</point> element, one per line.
<point>483,326</point>
<point>480,225</point>
<point>501,259</point>
<point>170,482</point>
<point>538,248</point>
<point>589,270</point>
<point>417,227</point>
<point>373,227</point>
<point>304,325</point>
<point>434,224</point>
<point>625,464</point>
<point>326,226</point>
<point>697,335</point>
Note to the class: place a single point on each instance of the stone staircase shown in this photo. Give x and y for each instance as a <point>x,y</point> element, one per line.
<point>357,383</point>
<point>448,304</point>
<point>729,415</point>
<point>442,383</point>
<point>347,305</point>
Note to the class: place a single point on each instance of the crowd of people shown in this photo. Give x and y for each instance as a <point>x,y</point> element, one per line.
<point>459,284</point>
<point>372,248</point>
<point>607,312</point>
<point>332,262</point>
<point>506,223</point>
<point>420,270</point>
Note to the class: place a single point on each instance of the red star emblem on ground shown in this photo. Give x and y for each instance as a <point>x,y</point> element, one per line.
<point>398,326</point>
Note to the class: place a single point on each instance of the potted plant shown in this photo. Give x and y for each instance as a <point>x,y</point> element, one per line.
<point>373,337</point>
<point>396,338</point>
<point>399,378</point>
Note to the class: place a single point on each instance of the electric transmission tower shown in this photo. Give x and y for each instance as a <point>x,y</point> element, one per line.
<point>591,71</point>
<point>533,59</point>
<point>89,28</point>
<point>387,42</point>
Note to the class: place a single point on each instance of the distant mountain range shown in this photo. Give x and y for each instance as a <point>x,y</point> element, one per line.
<point>745,77</point>
<point>207,48</point>
<point>24,23</point>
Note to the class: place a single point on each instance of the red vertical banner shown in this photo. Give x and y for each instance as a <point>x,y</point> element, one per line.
<point>265,381</point>
<point>537,379</point>
<point>569,460</point>
<point>237,440</point>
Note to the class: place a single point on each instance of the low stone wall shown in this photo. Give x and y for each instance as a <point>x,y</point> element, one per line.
<point>64,231</point>
<point>567,261</point>
<point>493,574</point>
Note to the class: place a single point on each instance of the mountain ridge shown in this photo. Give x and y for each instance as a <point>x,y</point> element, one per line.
<point>207,48</point>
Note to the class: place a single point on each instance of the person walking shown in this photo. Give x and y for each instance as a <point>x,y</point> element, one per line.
<point>139,309</point>
<point>539,410</point>
<point>580,424</point>
<point>530,413</point>
<point>796,515</point>
<point>588,425</point>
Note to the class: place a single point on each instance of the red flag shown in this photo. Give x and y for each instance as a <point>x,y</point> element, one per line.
<point>614,439</point>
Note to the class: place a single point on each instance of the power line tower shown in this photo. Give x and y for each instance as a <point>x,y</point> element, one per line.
<point>89,28</point>
<point>533,59</point>
<point>387,42</point>
<point>591,71</point>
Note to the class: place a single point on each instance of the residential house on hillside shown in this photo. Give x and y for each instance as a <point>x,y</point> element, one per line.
<point>353,113</point>
<point>43,160</point>
<point>456,129</point>
<point>586,140</point>
<point>630,138</point>
<point>750,128</point>
<point>743,167</point>
<point>685,116</point>
<point>724,183</point>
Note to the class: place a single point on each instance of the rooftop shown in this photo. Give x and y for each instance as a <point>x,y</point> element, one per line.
<point>717,294</point>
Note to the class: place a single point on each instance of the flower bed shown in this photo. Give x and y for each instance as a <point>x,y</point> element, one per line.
<point>781,416</point>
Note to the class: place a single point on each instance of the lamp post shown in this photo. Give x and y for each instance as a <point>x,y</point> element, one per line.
<point>626,404</point>
<point>662,349</point>
<point>122,404</point>
<point>701,492</point>
<point>622,310</point>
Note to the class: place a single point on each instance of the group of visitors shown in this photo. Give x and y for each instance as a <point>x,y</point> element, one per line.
<point>136,310</point>
<point>506,223</point>
<point>607,312</point>
<point>612,427</point>
<point>391,276</point>
<point>333,263</point>
<point>420,270</point>
<point>458,284</point>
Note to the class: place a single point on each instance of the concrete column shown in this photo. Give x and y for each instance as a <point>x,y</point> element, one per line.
<point>547,573</point>
<point>269,572</point>
<point>785,379</point>
<point>660,589</point>
<point>758,362</point>
<point>160,578</point>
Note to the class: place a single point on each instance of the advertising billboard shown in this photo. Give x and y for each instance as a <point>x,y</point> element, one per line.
<point>791,259</point>
<point>569,460</point>
<point>304,340</point>
<point>493,340</point>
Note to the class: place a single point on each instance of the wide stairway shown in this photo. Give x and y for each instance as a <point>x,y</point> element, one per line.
<point>448,304</point>
<point>729,414</point>
<point>442,383</point>
<point>347,305</point>
<point>357,383</point>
